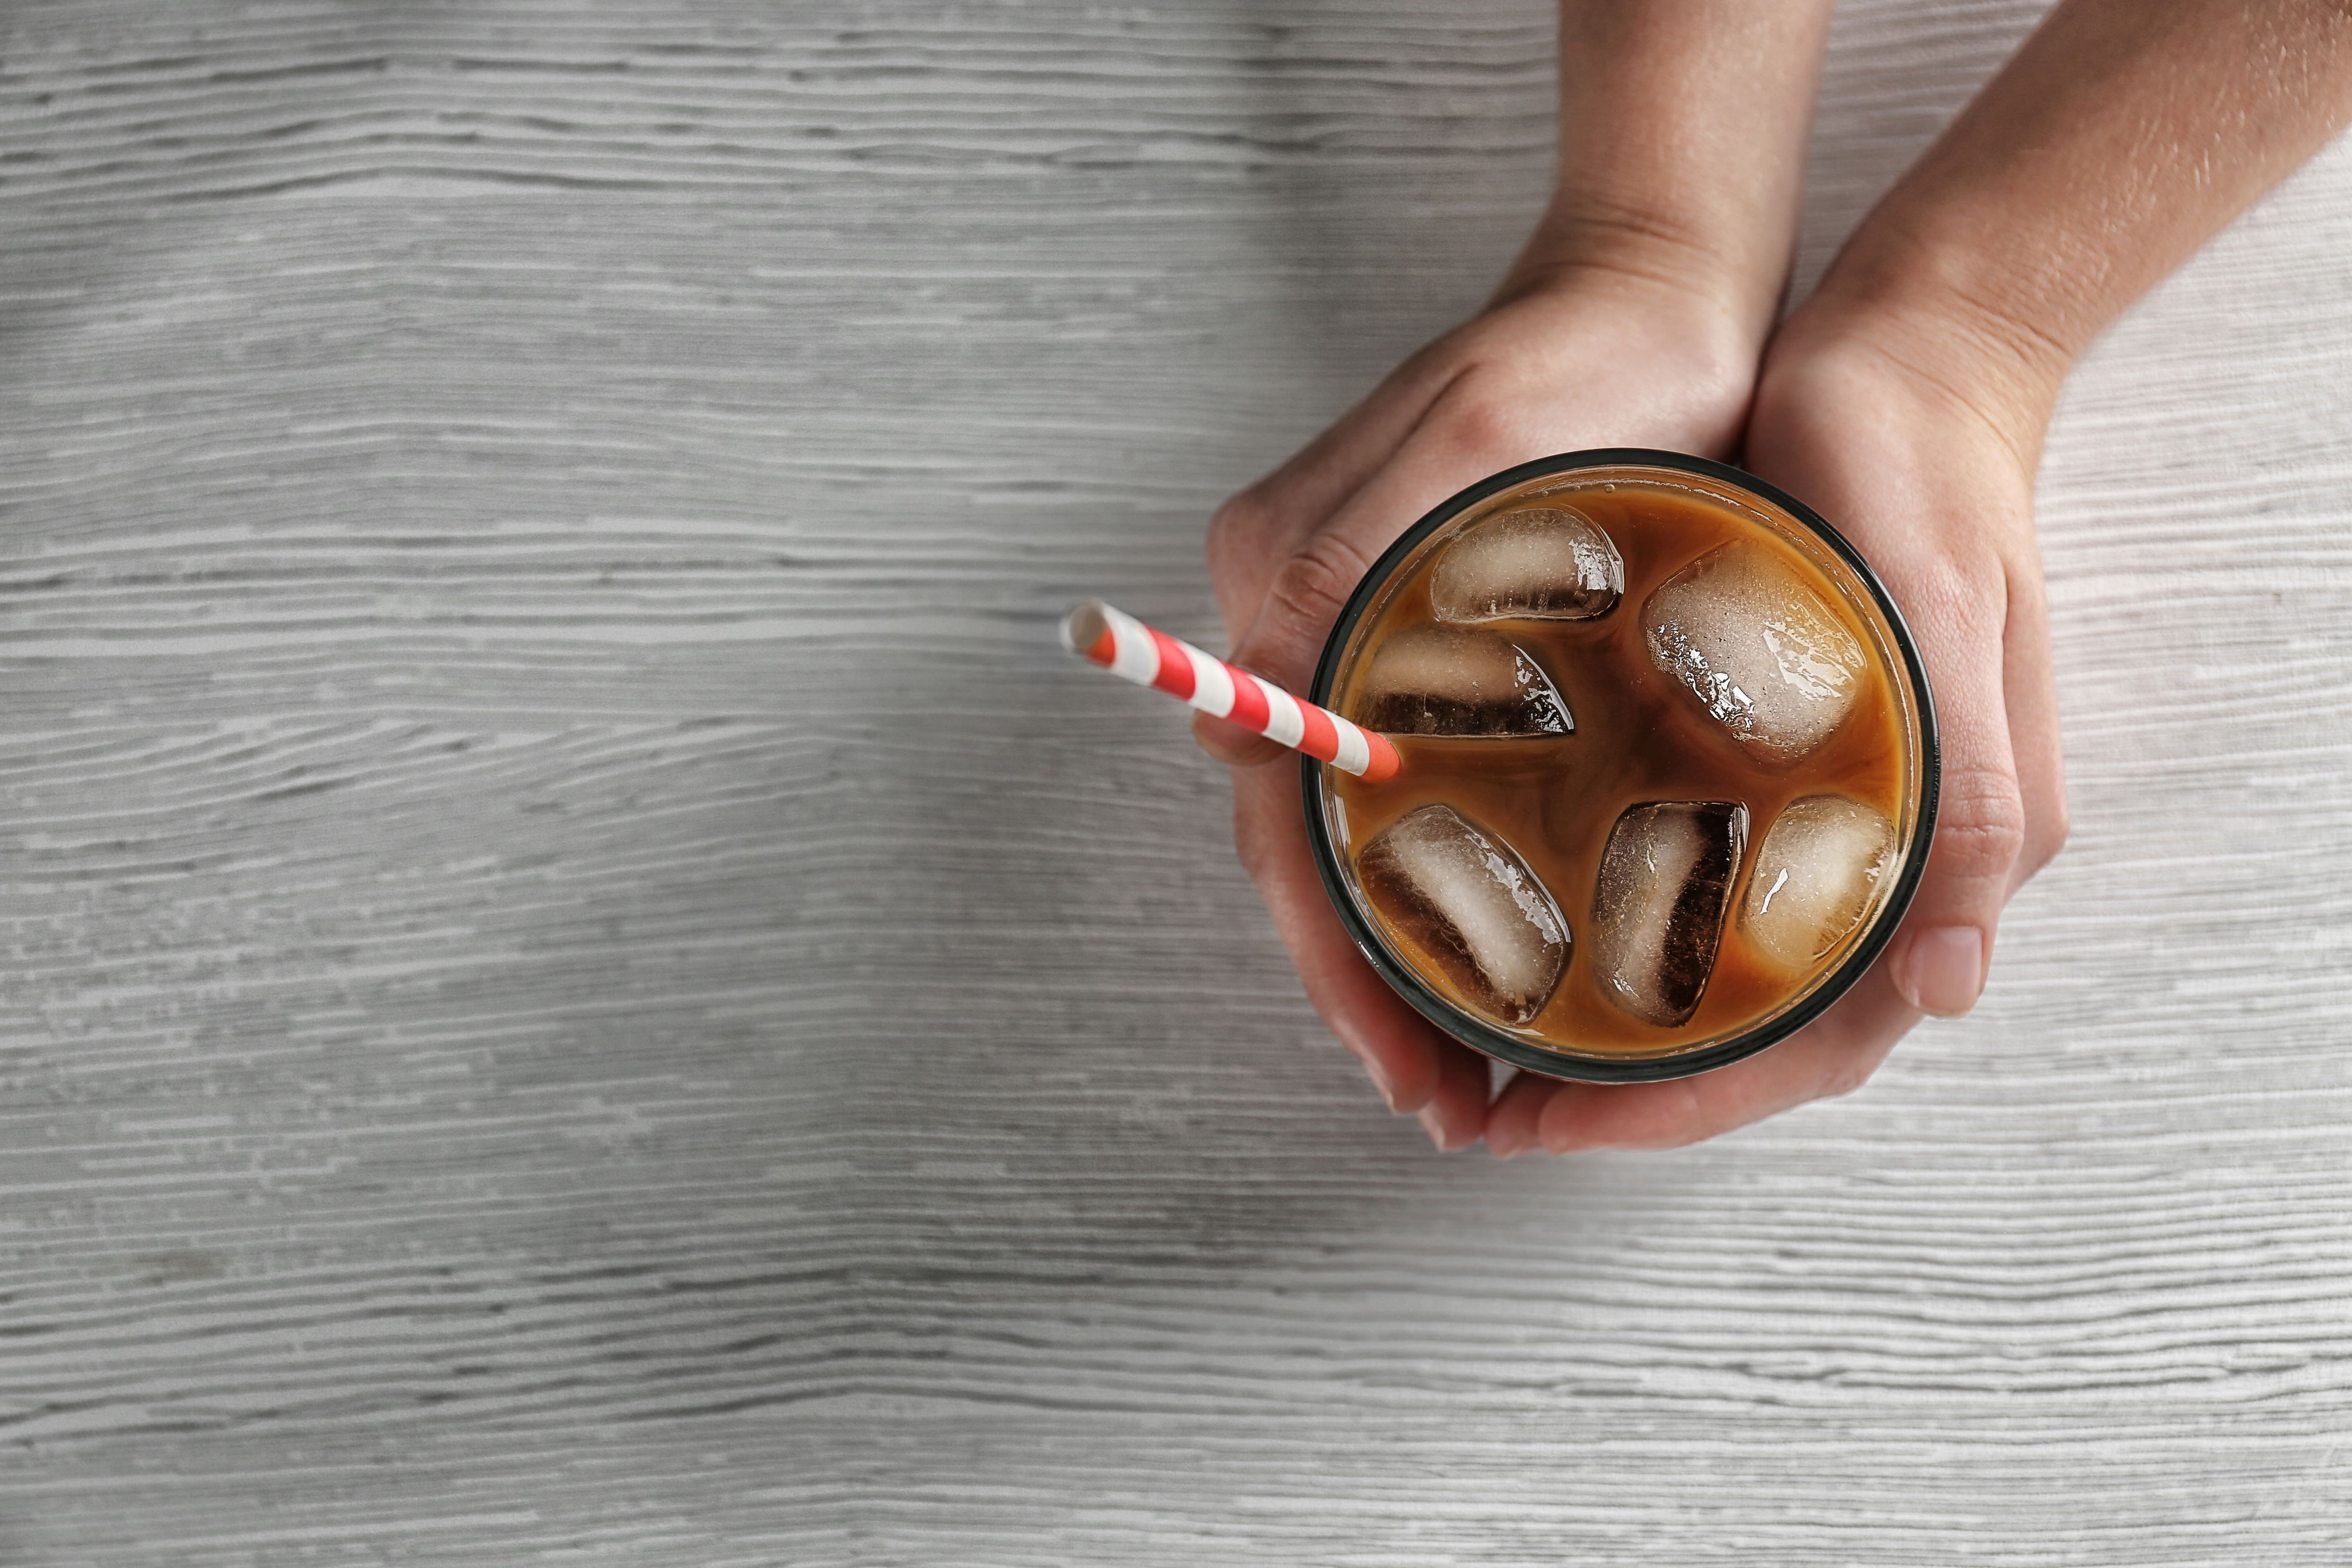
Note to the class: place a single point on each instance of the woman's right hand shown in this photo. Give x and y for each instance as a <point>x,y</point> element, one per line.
<point>1908,402</point>
<point>1891,429</point>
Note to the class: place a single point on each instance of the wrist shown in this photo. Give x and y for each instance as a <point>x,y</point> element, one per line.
<point>1945,317</point>
<point>1655,261</point>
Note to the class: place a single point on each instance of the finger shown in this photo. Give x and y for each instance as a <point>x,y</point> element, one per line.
<point>2029,691</point>
<point>1833,1054</point>
<point>1460,440</point>
<point>1405,1054</point>
<point>1303,601</point>
<point>1957,612</point>
<point>1257,530</point>
<point>1456,1116</point>
<point>1235,743</point>
<point>1322,475</point>
<point>1511,1120</point>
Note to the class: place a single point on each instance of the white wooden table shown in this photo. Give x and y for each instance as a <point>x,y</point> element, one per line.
<point>583,982</point>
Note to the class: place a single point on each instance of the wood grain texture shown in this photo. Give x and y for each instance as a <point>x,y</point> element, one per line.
<point>584,984</point>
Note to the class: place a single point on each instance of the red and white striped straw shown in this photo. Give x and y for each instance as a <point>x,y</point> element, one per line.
<point>1129,649</point>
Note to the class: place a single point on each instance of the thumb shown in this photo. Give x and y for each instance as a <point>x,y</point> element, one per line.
<point>1939,959</point>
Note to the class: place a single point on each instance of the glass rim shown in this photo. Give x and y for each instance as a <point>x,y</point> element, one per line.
<point>1515,1050</point>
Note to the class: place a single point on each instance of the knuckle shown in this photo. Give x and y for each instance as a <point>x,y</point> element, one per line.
<point>1982,830</point>
<point>2047,839</point>
<point>1488,427</point>
<point>1963,590</point>
<point>1846,1076</point>
<point>1451,355</point>
<point>1439,361</point>
<point>1313,584</point>
<point>1240,525</point>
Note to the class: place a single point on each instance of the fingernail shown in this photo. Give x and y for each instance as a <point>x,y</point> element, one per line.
<point>1428,1117</point>
<point>1943,970</point>
<point>1380,1077</point>
<point>1506,1142</point>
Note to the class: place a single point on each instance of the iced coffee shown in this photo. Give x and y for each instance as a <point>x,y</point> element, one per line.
<point>1668,761</point>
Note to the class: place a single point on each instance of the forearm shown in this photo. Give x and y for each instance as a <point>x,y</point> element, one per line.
<point>1681,147</point>
<point>2120,138</point>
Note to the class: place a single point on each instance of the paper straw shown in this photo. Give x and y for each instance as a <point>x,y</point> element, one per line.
<point>1129,649</point>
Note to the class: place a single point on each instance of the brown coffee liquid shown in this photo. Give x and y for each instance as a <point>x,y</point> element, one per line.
<point>1640,737</point>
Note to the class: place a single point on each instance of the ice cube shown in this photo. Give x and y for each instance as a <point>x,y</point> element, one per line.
<point>1817,872</point>
<point>1442,680</point>
<point>1541,564</point>
<point>1467,900</point>
<point>1756,646</point>
<point>1658,908</point>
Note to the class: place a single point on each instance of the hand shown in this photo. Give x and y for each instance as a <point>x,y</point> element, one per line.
<point>1908,400</point>
<point>1864,418</point>
<point>1583,358</point>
